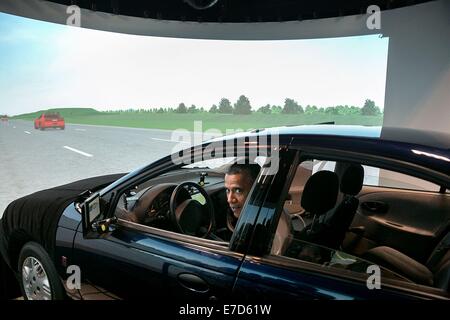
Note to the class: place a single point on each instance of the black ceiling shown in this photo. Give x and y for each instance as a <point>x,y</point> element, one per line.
<point>236,10</point>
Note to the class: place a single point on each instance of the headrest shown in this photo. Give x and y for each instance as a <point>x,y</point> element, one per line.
<point>320,192</point>
<point>352,179</point>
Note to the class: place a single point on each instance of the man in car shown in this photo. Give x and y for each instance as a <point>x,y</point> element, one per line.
<point>239,180</point>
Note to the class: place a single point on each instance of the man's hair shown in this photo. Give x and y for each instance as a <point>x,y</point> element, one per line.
<point>251,170</point>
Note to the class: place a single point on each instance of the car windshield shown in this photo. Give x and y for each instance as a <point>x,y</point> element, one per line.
<point>211,163</point>
<point>52,115</point>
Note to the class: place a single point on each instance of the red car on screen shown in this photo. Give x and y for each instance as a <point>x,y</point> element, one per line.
<point>49,120</point>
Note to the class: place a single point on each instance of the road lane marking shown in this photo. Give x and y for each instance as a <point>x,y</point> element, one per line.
<point>14,127</point>
<point>78,151</point>
<point>27,132</point>
<point>80,129</point>
<point>171,140</point>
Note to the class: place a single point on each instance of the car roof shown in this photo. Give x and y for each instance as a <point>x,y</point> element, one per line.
<point>432,139</point>
<point>425,148</point>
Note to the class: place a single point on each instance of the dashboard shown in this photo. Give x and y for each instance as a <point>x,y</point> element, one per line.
<point>149,202</point>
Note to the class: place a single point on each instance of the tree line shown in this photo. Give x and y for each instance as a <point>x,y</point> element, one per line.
<point>243,106</point>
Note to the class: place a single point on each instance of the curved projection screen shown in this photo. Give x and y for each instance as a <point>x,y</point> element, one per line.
<point>46,65</point>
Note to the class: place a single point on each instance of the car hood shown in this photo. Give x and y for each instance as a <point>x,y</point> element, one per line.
<point>36,216</point>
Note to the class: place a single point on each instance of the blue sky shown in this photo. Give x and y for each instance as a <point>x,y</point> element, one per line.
<point>45,65</point>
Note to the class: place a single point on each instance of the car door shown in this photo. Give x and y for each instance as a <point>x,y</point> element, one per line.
<point>268,277</point>
<point>134,261</point>
<point>134,264</point>
<point>402,212</point>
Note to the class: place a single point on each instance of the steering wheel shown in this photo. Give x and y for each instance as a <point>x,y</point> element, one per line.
<point>188,216</point>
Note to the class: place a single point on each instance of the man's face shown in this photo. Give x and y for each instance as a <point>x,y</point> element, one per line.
<point>237,186</point>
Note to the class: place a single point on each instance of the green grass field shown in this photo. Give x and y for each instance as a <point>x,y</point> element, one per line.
<point>221,122</point>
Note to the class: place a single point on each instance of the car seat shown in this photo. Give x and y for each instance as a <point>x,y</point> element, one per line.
<point>435,272</point>
<point>319,196</point>
<point>336,222</point>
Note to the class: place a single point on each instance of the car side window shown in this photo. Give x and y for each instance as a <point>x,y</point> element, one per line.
<point>386,178</point>
<point>178,201</point>
<point>190,200</point>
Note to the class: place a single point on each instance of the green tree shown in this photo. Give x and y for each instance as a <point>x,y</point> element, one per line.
<point>276,109</point>
<point>181,108</point>
<point>225,106</point>
<point>341,110</point>
<point>214,109</point>
<point>242,106</point>
<point>310,109</point>
<point>265,109</point>
<point>355,110</point>
<point>331,110</point>
<point>291,107</point>
<point>370,109</point>
<point>193,109</point>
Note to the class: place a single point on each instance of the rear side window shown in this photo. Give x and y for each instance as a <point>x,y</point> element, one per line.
<point>390,179</point>
<point>52,115</point>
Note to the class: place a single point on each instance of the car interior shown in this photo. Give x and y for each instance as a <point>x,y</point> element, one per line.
<point>191,200</point>
<point>398,222</point>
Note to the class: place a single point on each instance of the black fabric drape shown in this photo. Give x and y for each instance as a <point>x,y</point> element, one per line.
<point>38,214</point>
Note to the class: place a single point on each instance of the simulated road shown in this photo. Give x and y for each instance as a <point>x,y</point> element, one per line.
<point>33,160</point>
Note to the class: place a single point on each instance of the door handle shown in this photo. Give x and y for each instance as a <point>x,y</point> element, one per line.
<point>193,282</point>
<point>375,206</point>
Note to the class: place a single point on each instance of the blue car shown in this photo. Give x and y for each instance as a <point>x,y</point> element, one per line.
<point>336,212</point>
